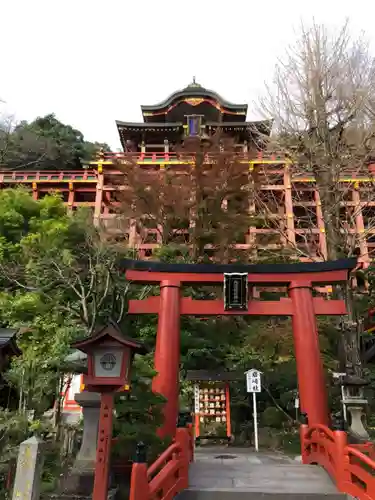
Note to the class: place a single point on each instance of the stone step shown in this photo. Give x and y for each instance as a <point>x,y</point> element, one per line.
<point>230,494</point>
<point>239,473</point>
<point>222,474</point>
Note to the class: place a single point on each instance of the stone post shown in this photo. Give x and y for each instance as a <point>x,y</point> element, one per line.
<point>356,427</point>
<point>29,470</point>
<point>90,403</point>
<point>81,478</point>
<point>355,403</point>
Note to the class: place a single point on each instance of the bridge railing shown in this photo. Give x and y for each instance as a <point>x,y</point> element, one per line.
<point>350,466</point>
<point>168,475</point>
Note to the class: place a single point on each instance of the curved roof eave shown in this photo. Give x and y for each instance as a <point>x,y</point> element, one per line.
<point>257,124</point>
<point>142,125</point>
<point>193,91</point>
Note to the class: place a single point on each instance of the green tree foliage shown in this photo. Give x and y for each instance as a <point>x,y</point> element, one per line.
<point>138,414</point>
<point>47,254</point>
<point>45,143</point>
<point>58,280</point>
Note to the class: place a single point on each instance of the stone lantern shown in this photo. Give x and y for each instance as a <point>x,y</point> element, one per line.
<point>109,360</point>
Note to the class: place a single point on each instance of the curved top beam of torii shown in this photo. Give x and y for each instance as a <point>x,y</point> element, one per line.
<point>267,274</point>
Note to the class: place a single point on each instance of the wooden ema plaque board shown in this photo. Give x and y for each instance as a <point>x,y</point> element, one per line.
<point>211,410</point>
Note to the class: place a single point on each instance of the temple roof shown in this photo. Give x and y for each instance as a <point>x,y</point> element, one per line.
<point>166,126</point>
<point>158,131</point>
<point>168,119</point>
<point>8,340</point>
<point>194,89</point>
<point>193,96</point>
<point>262,126</point>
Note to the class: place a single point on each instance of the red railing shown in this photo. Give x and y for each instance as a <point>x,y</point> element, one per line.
<point>152,157</point>
<point>349,466</point>
<point>48,176</point>
<point>168,475</point>
<point>169,156</point>
<point>161,156</point>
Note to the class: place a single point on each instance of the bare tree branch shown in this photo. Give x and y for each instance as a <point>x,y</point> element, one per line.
<point>322,101</point>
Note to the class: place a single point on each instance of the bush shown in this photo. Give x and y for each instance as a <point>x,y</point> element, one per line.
<point>272,417</point>
<point>138,416</point>
<point>14,428</point>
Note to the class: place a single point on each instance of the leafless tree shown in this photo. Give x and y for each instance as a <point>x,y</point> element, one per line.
<point>6,127</point>
<point>321,101</point>
<point>202,204</point>
<point>16,155</point>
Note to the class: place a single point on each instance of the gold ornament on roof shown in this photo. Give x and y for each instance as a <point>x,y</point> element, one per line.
<point>194,101</point>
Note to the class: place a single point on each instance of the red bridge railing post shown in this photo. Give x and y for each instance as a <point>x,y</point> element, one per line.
<point>302,432</point>
<point>341,472</point>
<point>183,440</point>
<point>139,488</point>
<point>191,441</point>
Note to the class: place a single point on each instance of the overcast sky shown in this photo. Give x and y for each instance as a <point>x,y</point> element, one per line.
<point>91,62</point>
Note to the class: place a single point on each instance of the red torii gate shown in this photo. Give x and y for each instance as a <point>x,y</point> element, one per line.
<point>299,278</point>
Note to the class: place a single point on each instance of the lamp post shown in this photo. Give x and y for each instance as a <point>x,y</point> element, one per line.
<point>109,359</point>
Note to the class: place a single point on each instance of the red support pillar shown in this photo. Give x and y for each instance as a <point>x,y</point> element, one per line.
<point>103,450</point>
<point>167,354</point>
<point>312,388</point>
<point>227,412</point>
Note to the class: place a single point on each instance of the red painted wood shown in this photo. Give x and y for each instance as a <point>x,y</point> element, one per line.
<point>167,354</point>
<point>191,307</point>
<point>323,307</point>
<point>311,382</point>
<point>301,305</point>
<point>103,448</point>
<point>352,470</point>
<point>197,425</point>
<point>139,487</point>
<point>227,411</point>
<point>325,277</point>
<point>150,305</point>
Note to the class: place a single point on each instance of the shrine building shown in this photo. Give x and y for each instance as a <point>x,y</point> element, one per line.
<point>195,111</point>
<point>152,145</point>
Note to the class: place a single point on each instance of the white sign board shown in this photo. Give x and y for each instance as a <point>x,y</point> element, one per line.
<point>253,382</point>
<point>253,385</point>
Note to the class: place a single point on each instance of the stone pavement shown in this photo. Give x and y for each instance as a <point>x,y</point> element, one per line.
<point>219,472</point>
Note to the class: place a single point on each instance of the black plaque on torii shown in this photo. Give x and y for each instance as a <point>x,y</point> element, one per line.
<point>236,291</point>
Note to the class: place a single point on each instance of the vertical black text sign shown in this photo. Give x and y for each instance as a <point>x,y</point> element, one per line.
<point>236,292</point>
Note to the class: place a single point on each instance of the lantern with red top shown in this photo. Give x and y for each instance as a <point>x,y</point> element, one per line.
<point>109,358</point>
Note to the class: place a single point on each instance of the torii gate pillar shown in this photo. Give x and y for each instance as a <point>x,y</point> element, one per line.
<point>310,373</point>
<point>167,354</point>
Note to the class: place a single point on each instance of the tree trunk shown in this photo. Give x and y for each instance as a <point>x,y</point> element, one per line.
<point>349,345</point>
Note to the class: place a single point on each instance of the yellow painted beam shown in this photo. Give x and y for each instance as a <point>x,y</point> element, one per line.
<point>271,162</point>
